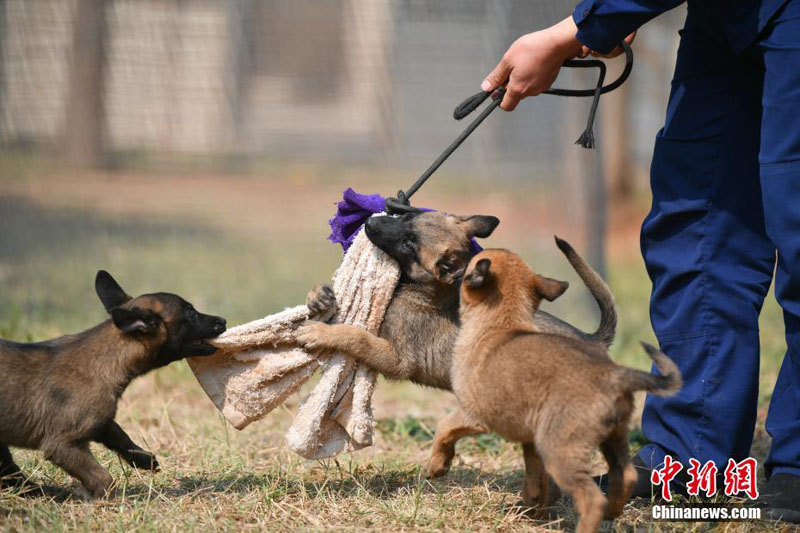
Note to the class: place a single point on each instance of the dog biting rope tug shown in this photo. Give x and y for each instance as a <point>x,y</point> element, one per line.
<point>258,365</point>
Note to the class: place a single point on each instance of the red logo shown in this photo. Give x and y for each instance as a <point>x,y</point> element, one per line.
<point>662,476</point>
<point>702,478</point>
<point>741,477</point>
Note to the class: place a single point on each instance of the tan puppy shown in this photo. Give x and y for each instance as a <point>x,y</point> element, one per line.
<point>560,397</point>
<point>419,329</point>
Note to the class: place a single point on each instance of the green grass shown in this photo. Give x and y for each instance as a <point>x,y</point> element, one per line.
<point>214,477</point>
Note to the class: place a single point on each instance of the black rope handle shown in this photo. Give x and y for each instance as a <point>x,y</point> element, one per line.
<point>471,104</point>
<point>400,204</point>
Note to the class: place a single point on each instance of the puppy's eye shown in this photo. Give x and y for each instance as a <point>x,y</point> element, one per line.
<point>445,268</point>
<point>406,245</point>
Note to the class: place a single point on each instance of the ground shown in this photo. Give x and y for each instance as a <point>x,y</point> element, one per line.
<point>244,246</point>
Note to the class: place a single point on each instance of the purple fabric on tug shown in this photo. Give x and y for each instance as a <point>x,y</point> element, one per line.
<point>354,210</point>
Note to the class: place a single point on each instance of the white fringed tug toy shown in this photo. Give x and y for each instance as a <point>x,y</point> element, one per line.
<point>259,364</point>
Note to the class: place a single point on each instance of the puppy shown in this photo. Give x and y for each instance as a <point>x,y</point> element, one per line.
<point>420,326</point>
<point>58,395</point>
<point>561,397</point>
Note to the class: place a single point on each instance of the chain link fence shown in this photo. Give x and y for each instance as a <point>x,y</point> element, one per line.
<point>109,108</point>
<point>352,80</point>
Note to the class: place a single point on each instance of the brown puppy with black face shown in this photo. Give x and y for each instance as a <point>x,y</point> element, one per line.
<point>420,327</point>
<point>560,397</point>
<point>58,395</point>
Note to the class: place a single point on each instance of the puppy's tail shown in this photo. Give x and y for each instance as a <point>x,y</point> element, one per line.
<point>600,292</point>
<point>668,383</point>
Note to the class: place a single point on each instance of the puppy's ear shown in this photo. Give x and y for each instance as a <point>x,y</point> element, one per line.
<point>130,320</point>
<point>549,289</point>
<point>479,225</point>
<point>109,291</point>
<point>477,277</point>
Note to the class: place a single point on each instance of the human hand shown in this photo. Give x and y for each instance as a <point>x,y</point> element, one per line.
<point>614,53</point>
<point>531,63</point>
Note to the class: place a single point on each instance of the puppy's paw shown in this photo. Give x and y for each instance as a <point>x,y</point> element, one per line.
<point>102,487</point>
<point>142,460</point>
<point>321,301</point>
<point>15,481</point>
<point>109,494</point>
<point>438,465</point>
<point>534,510</point>
<point>314,336</point>
<point>541,497</point>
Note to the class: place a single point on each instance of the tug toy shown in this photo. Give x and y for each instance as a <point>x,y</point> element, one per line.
<point>259,364</point>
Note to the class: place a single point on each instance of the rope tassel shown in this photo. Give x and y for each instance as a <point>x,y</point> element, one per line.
<point>586,139</point>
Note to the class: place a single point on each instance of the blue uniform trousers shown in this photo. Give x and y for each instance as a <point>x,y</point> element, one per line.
<point>725,178</point>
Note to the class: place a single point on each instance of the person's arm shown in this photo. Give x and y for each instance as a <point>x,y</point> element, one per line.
<point>602,24</point>
<point>532,62</point>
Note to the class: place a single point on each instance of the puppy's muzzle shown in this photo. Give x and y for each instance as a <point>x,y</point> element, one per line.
<point>384,232</point>
<point>219,325</point>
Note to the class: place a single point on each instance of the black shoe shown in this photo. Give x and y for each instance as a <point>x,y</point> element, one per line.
<point>781,498</point>
<point>644,487</point>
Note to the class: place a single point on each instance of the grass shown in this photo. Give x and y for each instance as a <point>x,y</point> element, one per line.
<point>244,247</point>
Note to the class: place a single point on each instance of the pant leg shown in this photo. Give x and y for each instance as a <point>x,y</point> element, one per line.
<point>707,254</point>
<point>780,181</point>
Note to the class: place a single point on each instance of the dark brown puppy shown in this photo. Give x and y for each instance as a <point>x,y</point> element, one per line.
<point>58,395</point>
<point>420,327</point>
<point>561,397</point>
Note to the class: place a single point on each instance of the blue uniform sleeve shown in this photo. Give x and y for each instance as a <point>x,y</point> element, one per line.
<point>603,24</point>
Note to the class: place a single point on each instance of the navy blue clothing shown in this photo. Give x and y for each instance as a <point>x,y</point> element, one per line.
<point>725,178</point>
<point>602,24</point>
